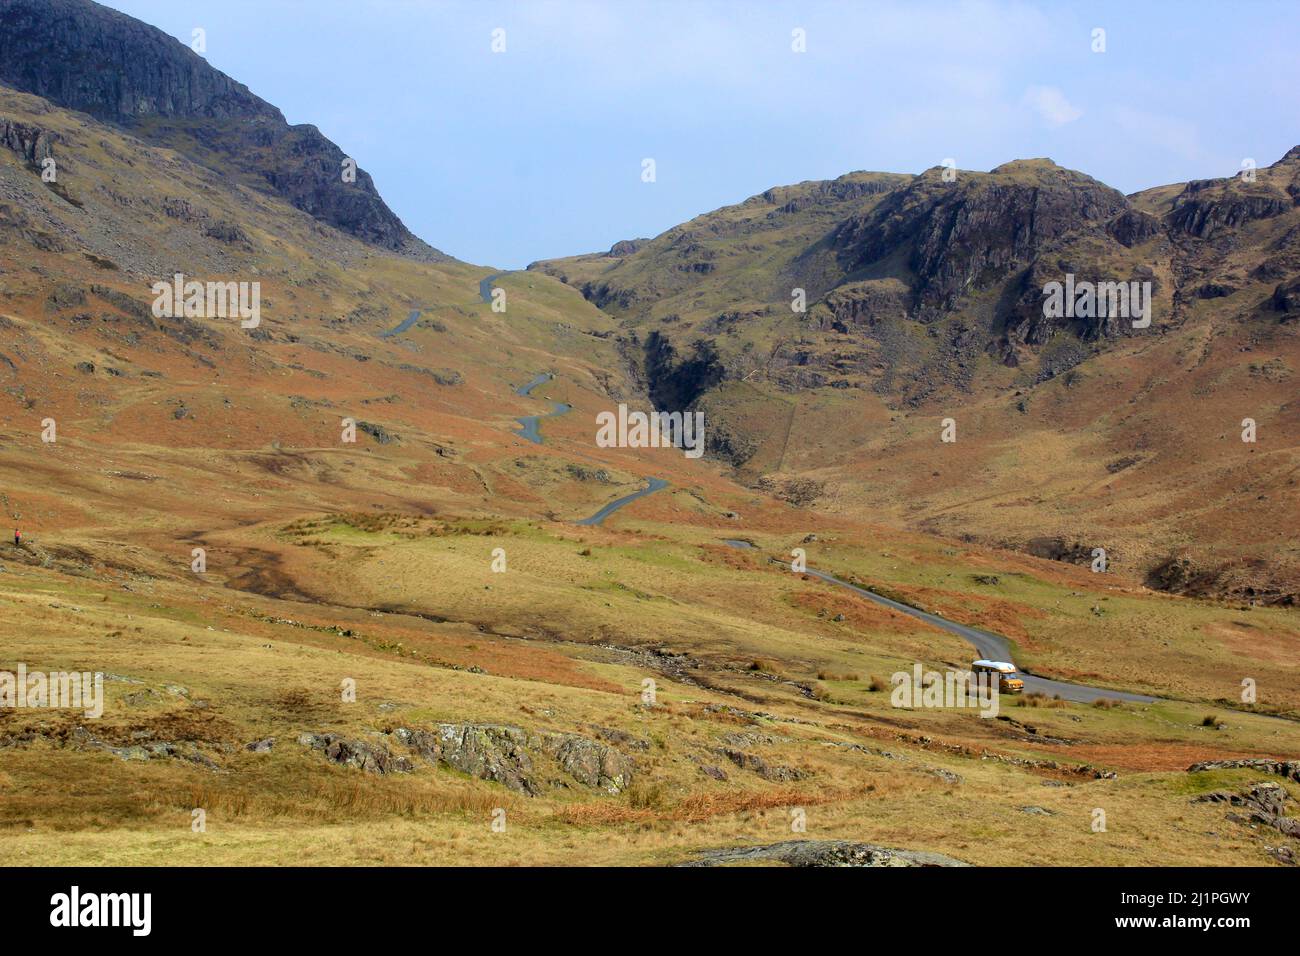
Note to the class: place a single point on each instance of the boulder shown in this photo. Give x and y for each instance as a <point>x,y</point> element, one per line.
<point>488,752</point>
<point>590,762</point>
<point>358,754</point>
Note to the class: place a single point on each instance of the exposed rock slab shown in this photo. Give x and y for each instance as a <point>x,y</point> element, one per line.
<point>823,853</point>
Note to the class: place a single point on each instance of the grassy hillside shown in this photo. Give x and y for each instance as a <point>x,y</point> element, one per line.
<point>924,302</point>
<point>348,679</point>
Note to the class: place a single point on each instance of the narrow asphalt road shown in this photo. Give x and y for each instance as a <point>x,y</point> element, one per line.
<point>654,484</point>
<point>532,431</point>
<point>407,322</point>
<point>485,287</point>
<point>531,426</point>
<point>987,645</point>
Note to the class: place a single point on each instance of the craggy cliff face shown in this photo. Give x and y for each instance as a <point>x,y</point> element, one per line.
<point>86,57</point>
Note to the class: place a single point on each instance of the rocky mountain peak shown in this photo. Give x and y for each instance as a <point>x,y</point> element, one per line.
<point>87,57</point>
<point>1292,157</point>
<point>83,56</point>
<point>959,235</point>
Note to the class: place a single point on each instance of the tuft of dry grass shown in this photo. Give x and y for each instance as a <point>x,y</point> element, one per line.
<point>831,675</point>
<point>1041,700</point>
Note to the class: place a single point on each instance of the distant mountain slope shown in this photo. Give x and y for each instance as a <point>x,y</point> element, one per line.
<point>84,342</point>
<point>925,300</point>
<point>961,259</point>
<point>86,57</point>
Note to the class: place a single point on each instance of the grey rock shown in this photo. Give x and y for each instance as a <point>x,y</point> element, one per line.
<point>1282,768</point>
<point>756,764</point>
<point>816,853</point>
<point>1264,804</point>
<point>378,432</point>
<point>591,763</point>
<point>83,739</point>
<point>422,742</point>
<point>358,754</point>
<point>502,755</point>
<point>31,144</point>
<point>489,752</point>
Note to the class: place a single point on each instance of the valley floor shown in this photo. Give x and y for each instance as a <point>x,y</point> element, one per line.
<point>764,724</point>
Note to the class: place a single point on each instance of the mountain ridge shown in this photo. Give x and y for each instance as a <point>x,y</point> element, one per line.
<point>925,299</point>
<point>83,56</point>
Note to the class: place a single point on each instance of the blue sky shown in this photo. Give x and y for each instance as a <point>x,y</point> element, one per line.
<point>503,158</point>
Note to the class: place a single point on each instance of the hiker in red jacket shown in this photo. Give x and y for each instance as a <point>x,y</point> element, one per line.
<point>18,538</point>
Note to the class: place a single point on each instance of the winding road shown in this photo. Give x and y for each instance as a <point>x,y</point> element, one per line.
<point>654,484</point>
<point>531,425</point>
<point>987,645</point>
<point>532,431</point>
<point>485,287</point>
<point>409,321</point>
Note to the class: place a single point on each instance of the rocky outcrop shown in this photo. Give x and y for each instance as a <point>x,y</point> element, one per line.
<point>358,754</point>
<point>605,294</point>
<point>590,762</point>
<point>1058,549</point>
<point>488,752</point>
<point>227,232</point>
<point>379,433</point>
<point>756,764</point>
<point>31,144</point>
<point>866,304</point>
<point>505,755</point>
<point>1178,574</point>
<point>1286,297</point>
<point>83,56</point>
<point>967,234</point>
<point>1263,804</point>
<point>1283,768</point>
<point>137,747</point>
<point>824,193</point>
<point>675,382</point>
<point>625,247</point>
<point>822,853</point>
<point>1206,208</point>
<point>46,48</point>
<point>1133,227</point>
<point>1026,323</point>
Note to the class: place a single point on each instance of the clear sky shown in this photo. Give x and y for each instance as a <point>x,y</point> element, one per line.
<point>536,152</point>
